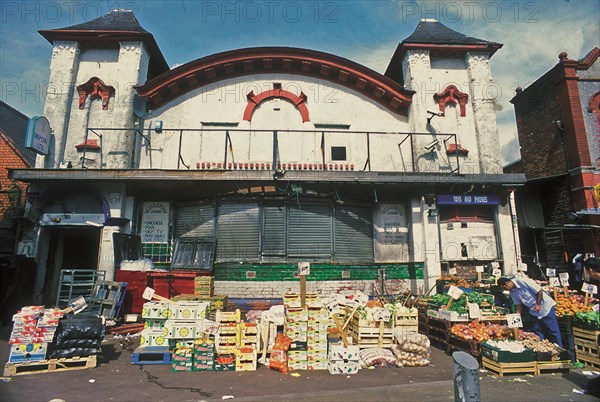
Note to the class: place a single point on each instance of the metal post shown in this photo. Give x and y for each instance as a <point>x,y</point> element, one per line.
<point>87,131</point>
<point>369,151</point>
<point>179,151</point>
<point>275,149</point>
<point>466,377</point>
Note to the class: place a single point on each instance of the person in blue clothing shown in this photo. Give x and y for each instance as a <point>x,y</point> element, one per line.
<point>525,292</point>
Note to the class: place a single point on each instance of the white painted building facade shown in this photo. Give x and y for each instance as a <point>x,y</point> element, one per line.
<point>278,155</point>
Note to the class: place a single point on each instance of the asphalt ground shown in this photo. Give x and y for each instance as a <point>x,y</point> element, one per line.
<point>116,379</point>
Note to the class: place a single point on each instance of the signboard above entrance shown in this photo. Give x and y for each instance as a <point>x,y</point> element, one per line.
<point>468,199</point>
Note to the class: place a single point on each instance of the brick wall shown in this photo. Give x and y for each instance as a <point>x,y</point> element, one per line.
<point>9,159</point>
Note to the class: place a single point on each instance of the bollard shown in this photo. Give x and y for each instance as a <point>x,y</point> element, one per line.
<point>466,377</point>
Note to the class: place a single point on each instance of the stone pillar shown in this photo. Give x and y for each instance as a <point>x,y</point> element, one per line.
<point>61,87</point>
<point>133,69</point>
<point>488,144</point>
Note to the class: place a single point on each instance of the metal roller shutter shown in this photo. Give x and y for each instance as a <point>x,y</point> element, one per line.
<point>238,232</point>
<point>195,221</point>
<point>310,234</point>
<point>274,230</point>
<point>353,234</point>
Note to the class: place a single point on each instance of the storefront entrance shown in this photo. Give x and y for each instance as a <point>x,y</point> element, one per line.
<point>73,247</point>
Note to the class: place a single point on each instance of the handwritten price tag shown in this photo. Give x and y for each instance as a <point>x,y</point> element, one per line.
<point>514,320</point>
<point>454,292</point>
<point>452,271</point>
<point>497,272</point>
<point>550,272</point>
<point>554,282</point>
<point>523,267</point>
<point>479,268</point>
<point>589,288</point>
<point>304,268</point>
<point>382,314</point>
<point>564,278</point>
<point>495,264</point>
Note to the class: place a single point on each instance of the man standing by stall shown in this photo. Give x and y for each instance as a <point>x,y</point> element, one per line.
<point>524,291</point>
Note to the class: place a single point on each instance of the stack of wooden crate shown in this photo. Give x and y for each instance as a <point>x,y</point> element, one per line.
<point>587,346</point>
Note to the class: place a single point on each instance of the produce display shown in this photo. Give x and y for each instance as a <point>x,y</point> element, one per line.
<point>544,346</point>
<point>569,306</point>
<point>479,331</point>
<point>413,351</point>
<point>589,319</point>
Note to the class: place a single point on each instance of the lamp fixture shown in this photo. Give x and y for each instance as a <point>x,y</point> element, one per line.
<point>432,213</point>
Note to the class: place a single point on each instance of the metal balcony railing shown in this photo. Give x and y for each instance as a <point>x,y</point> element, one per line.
<point>408,147</point>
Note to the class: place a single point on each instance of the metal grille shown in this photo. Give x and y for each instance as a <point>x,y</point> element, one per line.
<point>195,221</point>
<point>310,232</point>
<point>353,234</point>
<point>274,235</point>
<point>238,232</point>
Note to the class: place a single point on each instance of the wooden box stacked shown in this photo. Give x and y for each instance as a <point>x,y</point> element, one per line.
<point>227,338</point>
<point>371,334</point>
<point>204,286</point>
<point>587,346</point>
<point>296,327</point>
<point>316,338</point>
<point>246,358</point>
<point>406,322</point>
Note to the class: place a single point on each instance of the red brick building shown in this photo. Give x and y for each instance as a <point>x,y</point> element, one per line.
<point>13,154</point>
<point>558,121</point>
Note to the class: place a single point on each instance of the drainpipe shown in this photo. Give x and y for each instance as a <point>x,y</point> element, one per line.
<point>515,227</point>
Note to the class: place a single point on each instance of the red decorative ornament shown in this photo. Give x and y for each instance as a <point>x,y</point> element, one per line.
<point>453,95</point>
<point>276,92</point>
<point>95,87</point>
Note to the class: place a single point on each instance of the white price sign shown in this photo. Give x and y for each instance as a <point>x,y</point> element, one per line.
<point>497,272</point>
<point>382,314</point>
<point>514,320</point>
<point>454,292</point>
<point>148,293</point>
<point>303,268</point>
<point>479,268</point>
<point>474,311</point>
<point>589,288</point>
<point>554,282</point>
<point>523,267</point>
<point>452,271</point>
<point>564,278</point>
<point>495,264</point>
<point>550,272</point>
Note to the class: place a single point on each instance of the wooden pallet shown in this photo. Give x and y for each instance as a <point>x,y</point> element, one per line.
<point>49,366</point>
<point>587,347</point>
<point>561,365</point>
<point>509,368</point>
<point>586,335</point>
<point>590,360</point>
<point>151,355</point>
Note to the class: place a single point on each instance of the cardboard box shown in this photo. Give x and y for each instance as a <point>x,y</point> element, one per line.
<point>228,316</point>
<point>318,326</point>
<point>156,310</point>
<point>182,329</point>
<point>296,315</point>
<point>224,362</point>
<point>189,310</point>
<point>339,352</point>
<point>316,364</point>
<point>153,337</point>
<point>154,323</point>
<point>296,355</point>
<point>316,355</point>
<point>318,314</point>
<point>292,300</point>
<point>205,365</point>
<point>298,365</point>
<point>27,352</point>
<point>343,366</point>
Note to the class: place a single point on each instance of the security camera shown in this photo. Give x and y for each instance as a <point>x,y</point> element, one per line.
<point>433,114</point>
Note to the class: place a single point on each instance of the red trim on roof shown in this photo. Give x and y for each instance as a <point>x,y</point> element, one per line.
<point>589,59</point>
<point>269,60</point>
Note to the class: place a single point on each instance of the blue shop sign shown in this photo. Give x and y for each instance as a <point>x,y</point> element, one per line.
<point>470,199</point>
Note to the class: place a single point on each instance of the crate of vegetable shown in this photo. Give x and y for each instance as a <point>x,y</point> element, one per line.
<point>507,352</point>
<point>587,320</point>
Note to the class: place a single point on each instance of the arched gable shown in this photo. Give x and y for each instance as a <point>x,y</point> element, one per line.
<point>270,60</point>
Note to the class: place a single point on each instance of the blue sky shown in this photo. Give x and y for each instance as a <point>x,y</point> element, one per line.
<point>533,33</point>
